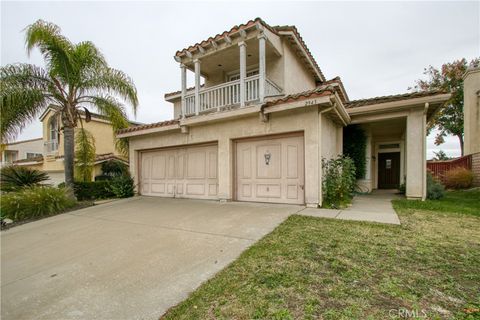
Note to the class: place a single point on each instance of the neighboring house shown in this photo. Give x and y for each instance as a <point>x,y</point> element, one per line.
<point>50,159</point>
<point>26,149</point>
<point>259,126</point>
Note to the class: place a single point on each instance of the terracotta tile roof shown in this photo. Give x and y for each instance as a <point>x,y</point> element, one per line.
<point>34,159</point>
<point>109,156</point>
<point>148,126</point>
<point>249,24</point>
<point>98,158</point>
<point>169,94</point>
<point>317,92</point>
<point>390,98</point>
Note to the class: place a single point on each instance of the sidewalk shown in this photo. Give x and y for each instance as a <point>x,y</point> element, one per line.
<point>373,207</point>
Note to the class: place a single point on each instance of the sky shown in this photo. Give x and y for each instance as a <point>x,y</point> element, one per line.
<point>377,48</point>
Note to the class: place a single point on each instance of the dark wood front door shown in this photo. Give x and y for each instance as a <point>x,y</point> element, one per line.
<point>388,170</point>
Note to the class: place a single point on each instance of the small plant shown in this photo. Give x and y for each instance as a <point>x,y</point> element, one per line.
<point>122,186</point>
<point>402,188</point>
<point>435,190</point>
<point>33,202</point>
<point>338,181</point>
<point>14,178</point>
<point>459,178</point>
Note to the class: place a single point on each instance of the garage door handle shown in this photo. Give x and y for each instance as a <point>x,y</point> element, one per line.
<point>301,186</point>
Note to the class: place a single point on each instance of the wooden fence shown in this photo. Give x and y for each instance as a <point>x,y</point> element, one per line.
<point>439,168</point>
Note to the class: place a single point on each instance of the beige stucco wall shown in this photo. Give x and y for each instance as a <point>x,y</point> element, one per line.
<point>224,133</point>
<point>297,78</point>
<point>471,91</point>
<point>330,139</point>
<point>24,147</point>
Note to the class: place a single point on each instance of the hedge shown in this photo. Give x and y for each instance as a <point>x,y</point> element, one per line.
<point>93,190</point>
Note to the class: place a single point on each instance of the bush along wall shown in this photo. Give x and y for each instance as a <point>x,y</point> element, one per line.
<point>93,190</point>
<point>354,146</point>
<point>338,182</point>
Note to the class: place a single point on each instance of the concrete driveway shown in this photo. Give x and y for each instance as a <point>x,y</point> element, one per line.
<point>130,259</point>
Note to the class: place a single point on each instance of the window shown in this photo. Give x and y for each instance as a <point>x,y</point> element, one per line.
<point>53,133</point>
<point>10,156</point>
<point>31,155</point>
<point>236,76</point>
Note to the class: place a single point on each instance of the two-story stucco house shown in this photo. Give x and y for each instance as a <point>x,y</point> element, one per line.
<point>51,158</point>
<point>265,116</point>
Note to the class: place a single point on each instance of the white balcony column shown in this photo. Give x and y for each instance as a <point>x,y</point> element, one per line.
<point>197,85</point>
<point>243,71</point>
<point>261,66</point>
<point>183,69</point>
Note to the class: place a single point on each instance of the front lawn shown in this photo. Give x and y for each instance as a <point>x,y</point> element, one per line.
<point>461,201</point>
<point>311,268</point>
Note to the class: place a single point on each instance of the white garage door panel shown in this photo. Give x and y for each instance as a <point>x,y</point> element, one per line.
<point>189,172</point>
<point>270,170</point>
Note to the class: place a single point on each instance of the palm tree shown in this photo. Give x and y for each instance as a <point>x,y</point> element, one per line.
<point>76,78</point>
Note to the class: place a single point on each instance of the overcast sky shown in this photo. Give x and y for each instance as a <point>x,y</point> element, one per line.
<point>377,48</point>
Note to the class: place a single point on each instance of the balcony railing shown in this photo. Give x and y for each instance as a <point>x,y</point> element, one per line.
<point>228,94</point>
<point>51,147</point>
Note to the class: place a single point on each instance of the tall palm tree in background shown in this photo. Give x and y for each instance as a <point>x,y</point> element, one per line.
<point>76,78</point>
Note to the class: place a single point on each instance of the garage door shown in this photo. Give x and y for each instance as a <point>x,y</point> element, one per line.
<point>270,170</point>
<point>189,172</point>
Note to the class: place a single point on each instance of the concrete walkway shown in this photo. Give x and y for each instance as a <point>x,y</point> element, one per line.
<point>374,207</point>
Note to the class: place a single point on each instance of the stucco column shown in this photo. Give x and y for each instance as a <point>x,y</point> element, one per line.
<point>471,109</point>
<point>261,66</point>
<point>225,169</point>
<point>197,85</point>
<point>313,163</point>
<point>183,69</point>
<point>243,71</point>
<point>416,154</point>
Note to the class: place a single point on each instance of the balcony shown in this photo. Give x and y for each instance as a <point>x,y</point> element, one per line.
<point>227,94</point>
<point>51,147</point>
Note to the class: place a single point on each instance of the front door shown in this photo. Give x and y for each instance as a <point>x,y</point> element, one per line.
<point>388,170</point>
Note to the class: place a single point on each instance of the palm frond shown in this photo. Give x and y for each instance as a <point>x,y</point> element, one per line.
<point>24,75</point>
<point>109,81</point>
<point>18,108</point>
<point>55,48</point>
<point>87,57</point>
<point>115,112</point>
<point>84,154</point>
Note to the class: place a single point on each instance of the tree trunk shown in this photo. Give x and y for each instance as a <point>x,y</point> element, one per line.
<point>460,138</point>
<point>69,155</point>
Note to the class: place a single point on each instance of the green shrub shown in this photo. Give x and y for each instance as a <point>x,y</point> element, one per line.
<point>93,190</point>
<point>14,178</point>
<point>122,186</point>
<point>33,202</point>
<point>435,190</point>
<point>459,178</point>
<point>114,168</point>
<point>354,146</point>
<point>338,181</point>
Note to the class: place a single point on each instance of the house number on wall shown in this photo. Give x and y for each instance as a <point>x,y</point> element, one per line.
<point>267,156</point>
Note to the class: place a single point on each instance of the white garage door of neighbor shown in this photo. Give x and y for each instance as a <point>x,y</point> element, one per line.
<point>189,172</point>
<point>270,170</point>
